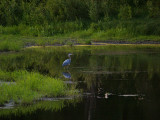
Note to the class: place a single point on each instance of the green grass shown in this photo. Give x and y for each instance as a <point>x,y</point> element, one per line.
<point>29,86</point>
<point>112,35</point>
<point>10,46</point>
<point>14,38</point>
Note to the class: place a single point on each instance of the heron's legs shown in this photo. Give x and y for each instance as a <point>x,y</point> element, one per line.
<point>66,67</point>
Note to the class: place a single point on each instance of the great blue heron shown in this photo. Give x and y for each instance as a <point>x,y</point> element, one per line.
<point>68,61</point>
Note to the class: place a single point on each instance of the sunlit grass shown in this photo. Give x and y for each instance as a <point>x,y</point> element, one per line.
<point>28,86</point>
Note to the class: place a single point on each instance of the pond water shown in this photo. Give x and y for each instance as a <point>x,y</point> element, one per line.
<point>117,83</point>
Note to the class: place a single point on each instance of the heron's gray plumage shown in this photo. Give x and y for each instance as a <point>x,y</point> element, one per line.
<point>68,61</point>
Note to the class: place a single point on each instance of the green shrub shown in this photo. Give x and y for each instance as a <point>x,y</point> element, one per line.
<point>153,10</point>
<point>93,11</point>
<point>88,42</point>
<point>125,12</point>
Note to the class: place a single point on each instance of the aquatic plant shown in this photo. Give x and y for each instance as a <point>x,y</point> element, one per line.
<point>54,105</point>
<point>29,86</point>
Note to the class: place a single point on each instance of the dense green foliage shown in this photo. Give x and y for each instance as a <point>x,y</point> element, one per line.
<point>52,17</point>
<point>46,12</point>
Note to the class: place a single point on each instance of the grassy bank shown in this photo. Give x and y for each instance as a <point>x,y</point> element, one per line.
<point>73,32</point>
<point>24,87</point>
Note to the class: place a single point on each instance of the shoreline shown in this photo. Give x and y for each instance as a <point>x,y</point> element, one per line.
<point>95,43</point>
<point>128,42</point>
<point>111,42</point>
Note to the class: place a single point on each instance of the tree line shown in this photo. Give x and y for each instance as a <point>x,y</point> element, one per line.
<point>32,12</point>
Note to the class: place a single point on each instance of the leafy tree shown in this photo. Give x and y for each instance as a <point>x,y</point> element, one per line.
<point>93,11</point>
<point>153,9</point>
<point>125,12</point>
<point>42,12</point>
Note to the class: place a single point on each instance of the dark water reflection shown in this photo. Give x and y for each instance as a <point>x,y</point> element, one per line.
<point>117,84</point>
<point>66,75</point>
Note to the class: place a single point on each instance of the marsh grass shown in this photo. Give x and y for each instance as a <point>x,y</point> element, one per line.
<point>16,43</point>
<point>13,38</point>
<point>10,46</point>
<point>30,86</point>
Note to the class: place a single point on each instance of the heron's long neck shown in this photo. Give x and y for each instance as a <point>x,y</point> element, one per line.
<point>69,57</point>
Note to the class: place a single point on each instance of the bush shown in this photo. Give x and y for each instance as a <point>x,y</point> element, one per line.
<point>125,12</point>
<point>93,11</point>
<point>88,42</point>
<point>153,10</point>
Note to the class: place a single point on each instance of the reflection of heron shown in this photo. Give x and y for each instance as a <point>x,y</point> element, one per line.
<point>67,75</point>
<point>68,61</point>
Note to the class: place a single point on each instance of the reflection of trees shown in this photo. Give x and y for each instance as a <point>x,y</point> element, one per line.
<point>122,74</point>
<point>90,107</point>
<point>115,71</point>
